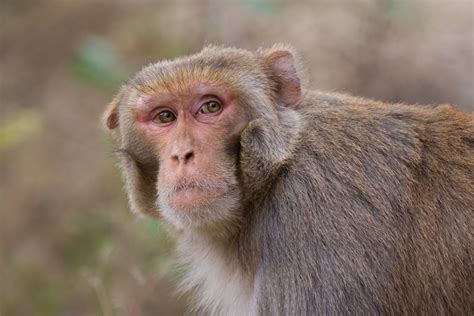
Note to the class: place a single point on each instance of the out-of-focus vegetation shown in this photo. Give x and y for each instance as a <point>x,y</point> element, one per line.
<point>68,244</point>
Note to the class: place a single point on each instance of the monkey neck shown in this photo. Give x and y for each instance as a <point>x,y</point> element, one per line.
<point>225,232</point>
<point>217,271</point>
<point>230,240</point>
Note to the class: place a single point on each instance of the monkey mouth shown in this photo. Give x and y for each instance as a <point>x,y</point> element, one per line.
<point>188,195</point>
<point>185,186</point>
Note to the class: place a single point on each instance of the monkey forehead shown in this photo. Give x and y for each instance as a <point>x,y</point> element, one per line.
<point>233,68</point>
<point>186,91</point>
<point>184,83</point>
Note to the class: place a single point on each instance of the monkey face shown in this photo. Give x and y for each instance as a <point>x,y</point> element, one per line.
<point>184,143</point>
<point>192,132</point>
<point>185,155</point>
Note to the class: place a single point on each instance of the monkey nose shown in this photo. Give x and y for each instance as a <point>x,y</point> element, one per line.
<point>184,158</point>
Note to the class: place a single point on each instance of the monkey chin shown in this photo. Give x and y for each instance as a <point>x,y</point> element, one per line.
<point>196,208</point>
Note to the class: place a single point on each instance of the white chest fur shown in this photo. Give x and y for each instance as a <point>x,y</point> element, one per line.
<point>215,277</point>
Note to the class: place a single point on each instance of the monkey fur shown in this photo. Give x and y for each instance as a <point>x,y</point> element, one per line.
<point>344,205</point>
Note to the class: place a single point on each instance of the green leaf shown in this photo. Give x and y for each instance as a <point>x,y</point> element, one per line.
<point>97,61</point>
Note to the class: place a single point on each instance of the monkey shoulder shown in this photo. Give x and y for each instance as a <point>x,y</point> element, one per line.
<point>361,135</point>
<point>353,192</point>
<point>357,129</point>
<point>383,149</point>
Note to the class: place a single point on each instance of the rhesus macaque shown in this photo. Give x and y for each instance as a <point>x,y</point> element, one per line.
<point>289,201</point>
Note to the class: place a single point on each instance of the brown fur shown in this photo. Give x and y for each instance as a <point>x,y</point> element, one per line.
<point>349,206</point>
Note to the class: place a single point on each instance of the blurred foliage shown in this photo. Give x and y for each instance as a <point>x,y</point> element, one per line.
<point>21,126</point>
<point>69,245</point>
<point>96,61</point>
<point>261,6</point>
<point>87,242</point>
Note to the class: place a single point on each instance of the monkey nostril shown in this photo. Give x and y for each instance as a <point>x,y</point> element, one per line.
<point>188,156</point>
<point>183,158</point>
<point>175,158</point>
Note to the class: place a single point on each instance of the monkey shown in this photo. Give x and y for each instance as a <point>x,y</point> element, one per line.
<point>285,200</point>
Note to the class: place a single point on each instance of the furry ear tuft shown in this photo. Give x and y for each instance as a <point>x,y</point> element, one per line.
<point>110,117</point>
<point>282,64</point>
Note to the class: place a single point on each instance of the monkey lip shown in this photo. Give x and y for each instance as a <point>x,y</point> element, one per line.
<point>191,195</point>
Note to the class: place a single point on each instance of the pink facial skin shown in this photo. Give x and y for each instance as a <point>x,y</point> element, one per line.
<point>192,146</point>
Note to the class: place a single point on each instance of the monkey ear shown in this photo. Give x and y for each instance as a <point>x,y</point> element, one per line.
<point>282,63</point>
<point>110,116</point>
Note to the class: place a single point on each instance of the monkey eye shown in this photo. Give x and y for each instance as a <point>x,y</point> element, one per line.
<point>210,107</point>
<point>164,117</point>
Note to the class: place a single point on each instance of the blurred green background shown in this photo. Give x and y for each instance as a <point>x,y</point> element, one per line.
<point>68,244</point>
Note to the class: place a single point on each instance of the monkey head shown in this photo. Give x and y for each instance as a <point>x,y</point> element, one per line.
<point>198,136</point>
